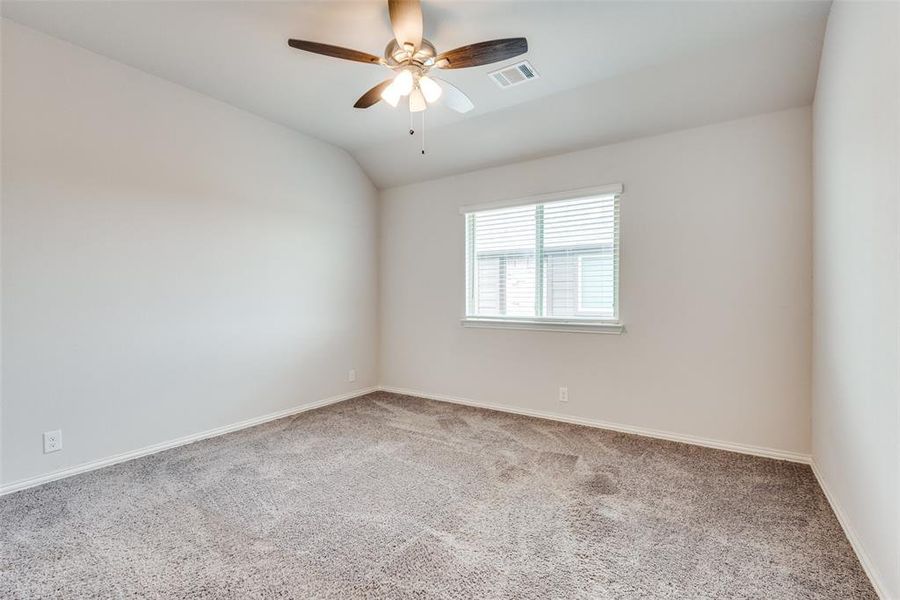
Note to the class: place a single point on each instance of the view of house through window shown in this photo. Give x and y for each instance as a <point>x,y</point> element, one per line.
<point>549,261</point>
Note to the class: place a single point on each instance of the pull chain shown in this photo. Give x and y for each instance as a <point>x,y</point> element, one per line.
<point>411,130</point>
<point>423,132</point>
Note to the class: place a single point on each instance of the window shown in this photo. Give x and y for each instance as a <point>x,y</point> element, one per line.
<point>550,263</point>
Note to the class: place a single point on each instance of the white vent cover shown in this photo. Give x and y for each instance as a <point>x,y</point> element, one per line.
<point>514,75</point>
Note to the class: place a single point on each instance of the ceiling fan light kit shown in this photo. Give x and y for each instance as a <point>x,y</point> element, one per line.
<point>431,90</point>
<point>412,57</point>
<point>403,83</point>
<point>417,101</point>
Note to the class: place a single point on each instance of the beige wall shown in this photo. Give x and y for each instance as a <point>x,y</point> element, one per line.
<point>715,288</point>
<point>856,377</point>
<point>170,263</point>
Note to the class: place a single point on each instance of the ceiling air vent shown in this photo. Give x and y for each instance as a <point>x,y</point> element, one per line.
<point>514,75</point>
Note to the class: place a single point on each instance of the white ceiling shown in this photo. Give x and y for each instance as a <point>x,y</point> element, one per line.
<point>609,70</point>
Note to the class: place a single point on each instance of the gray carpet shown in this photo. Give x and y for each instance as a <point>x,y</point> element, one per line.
<point>388,496</point>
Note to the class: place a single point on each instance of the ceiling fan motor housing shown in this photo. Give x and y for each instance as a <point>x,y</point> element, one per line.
<point>396,55</point>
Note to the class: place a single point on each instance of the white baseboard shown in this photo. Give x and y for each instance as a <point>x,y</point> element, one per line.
<point>861,554</point>
<point>852,537</point>
<point>23,484</point>
<point>864,559</point>
<point>642,431</point>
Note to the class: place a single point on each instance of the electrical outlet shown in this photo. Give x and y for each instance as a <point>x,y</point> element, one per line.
<point>563,394</point>
<point>52,441</point>
<point>351,376</point>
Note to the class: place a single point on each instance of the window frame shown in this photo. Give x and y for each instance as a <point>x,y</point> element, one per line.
<point>579,324</point>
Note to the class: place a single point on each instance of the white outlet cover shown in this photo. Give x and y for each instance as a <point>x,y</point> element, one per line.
<point>563,394</point>
<point>52,441</point>
<point>351,376</point>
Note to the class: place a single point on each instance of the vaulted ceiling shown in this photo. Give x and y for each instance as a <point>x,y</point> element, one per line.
<point>609,71</point>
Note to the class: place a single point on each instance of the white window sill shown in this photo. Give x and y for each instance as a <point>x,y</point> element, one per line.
<point>612,327</point>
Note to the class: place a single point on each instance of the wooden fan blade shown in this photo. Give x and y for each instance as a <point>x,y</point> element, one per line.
<point>454,98</point>
<point>406,20</point>
<point>372,96</point>
<point>482,53</point>
<point>335,51</point>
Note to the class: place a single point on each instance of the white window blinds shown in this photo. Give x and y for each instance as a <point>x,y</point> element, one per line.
<point>556,260</point>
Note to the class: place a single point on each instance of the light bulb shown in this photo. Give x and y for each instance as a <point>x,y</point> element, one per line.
<point>430,89</point>
<point>391,95</point>
<point>403,82</point>
<point>417,101</point>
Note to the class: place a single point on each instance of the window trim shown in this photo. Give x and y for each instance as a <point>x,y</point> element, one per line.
<point>615,189</point>
<point>567,324</point>
<point>546,324</point>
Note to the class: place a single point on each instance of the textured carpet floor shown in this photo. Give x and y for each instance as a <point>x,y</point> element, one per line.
<point>388,496</point>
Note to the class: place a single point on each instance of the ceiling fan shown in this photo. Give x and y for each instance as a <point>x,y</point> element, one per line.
<point>412,57</point>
